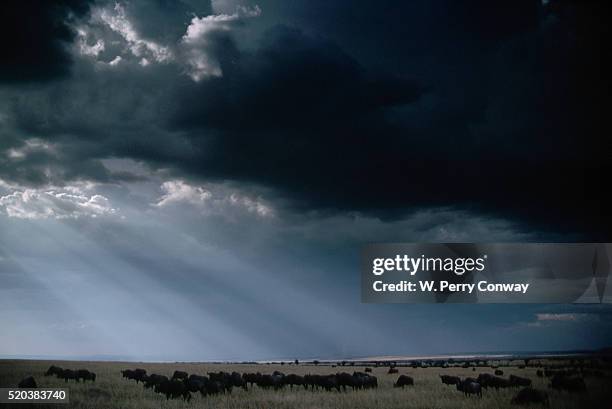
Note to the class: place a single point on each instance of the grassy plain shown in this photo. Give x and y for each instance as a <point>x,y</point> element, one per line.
<point>111,391</point>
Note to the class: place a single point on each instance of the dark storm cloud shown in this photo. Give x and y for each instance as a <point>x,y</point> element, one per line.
<point>372,107</point>
<point>34,36</point>
<point>505,119</point>
<point>292,82</point>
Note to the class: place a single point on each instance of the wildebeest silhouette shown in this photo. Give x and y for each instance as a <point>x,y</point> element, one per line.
<point>499,372</point>
<point>28,382</point>
<point>150,381</point>
<point>211,388</point>
<point>237,381</point>
<point>180,375</point>
<point>224,379</point>
<point>69,374</point>
<point>329,382</point>
<point>529,395</point>
<point>403,380</point>
<point>54,370</point>
<point>490,381</point>
<point>470,387</point>
<point>345,379</point>
<point>450,380</point>
<point>85,375</point>
<point>250,378</point>
<point>360,380</point>
<point>173,388</point>
<point>276,381</point>
<point>136,374</point>
<point>195,382</point>
<point>294,380</point>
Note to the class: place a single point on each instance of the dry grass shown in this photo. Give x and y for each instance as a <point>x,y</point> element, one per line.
<point>113,392</point>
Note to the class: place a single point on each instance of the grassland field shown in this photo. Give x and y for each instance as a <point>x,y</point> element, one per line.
<point>111,391</point>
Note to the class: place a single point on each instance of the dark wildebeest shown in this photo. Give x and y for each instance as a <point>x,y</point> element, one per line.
<point>392,370</point>
<point>371,382</point>
<point>403,380</point>
<point>153,380</point>
<point>180,375</point>
<point>499,372</point>
<point>309,380</point>
<point>519,381</point>
<point>224,379</point>
<point>195,383</point>
<point>364,381</point>
<point>570,384</point>
<point>86,375</point>
<point>490,381</point>
<point>329,382</point>
<point>69,374</point>
<point>294,380</point>
<point>540,373</point>
<point>127,374</point>
<point>270,381</point>
<point>250,378</point>
<point>138,374</point>
<point>173,389</point>
<point>470,387</point>
<point>28,382</point>
<point>530,395</point>
<point>211,388</point>
<point>237,381</point>
<point>345,379</point>
<point>54,370</point>
<point>278,379</point>
<point>368,369</point>
<point>450,380</point>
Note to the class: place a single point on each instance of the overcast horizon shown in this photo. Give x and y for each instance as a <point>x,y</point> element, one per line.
<point>310,359</point>
<point>195,179</point>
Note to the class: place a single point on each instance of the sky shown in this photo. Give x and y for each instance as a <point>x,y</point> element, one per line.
<point>194,180</point>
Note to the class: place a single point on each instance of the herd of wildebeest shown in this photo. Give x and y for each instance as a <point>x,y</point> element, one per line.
<point>182,384</point>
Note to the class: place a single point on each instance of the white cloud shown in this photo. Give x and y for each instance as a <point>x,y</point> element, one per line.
<point>117,20</point>
<point>192,52</point>
<point>29,146</point>
<point>115,61</point>
<point>177,191</point>
<point>212,199</point>
<point>69,202</point>
<point>250,204</point>
<point>196,41</point>
<point>89,49</point>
